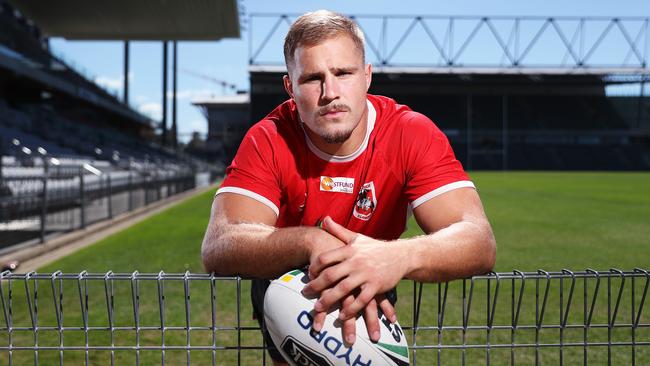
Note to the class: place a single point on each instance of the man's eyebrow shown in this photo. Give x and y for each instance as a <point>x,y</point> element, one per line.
<point>345,69</point>
<point>310,75</point>
<point>334,70</point>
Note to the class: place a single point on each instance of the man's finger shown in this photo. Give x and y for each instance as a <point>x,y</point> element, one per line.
<point>372,321</point>
<point>326,279</point>
<point>349,325</point>
<point>327,259</point>
<point>319,320</point>
<point>362,300</point>
<point>338,231</point>
<point>331,296</point>
<point>387,308</point>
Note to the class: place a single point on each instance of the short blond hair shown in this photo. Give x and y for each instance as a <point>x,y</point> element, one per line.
<point>313,28</point>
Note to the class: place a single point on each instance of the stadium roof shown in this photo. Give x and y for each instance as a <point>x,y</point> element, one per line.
<point>194,20</point>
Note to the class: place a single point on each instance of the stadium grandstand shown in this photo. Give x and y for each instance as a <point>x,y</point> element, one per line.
<point>71,152</point>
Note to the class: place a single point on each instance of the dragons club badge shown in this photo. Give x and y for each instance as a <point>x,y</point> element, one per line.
<point>366,202</point>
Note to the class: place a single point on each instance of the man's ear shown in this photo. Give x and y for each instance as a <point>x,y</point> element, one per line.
<point>368,72</point>
<point>287,85</point>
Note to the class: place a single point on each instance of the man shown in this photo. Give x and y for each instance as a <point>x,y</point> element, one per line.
<point>327,179</point>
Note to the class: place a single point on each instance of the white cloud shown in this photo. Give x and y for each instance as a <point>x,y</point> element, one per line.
<point>152,109</point>
<point>112,82</point>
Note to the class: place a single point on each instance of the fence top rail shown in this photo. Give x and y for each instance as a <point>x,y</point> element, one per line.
<point>514,275</point>
<point>84,275</point>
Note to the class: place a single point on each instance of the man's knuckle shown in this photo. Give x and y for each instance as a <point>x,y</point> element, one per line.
<point>329,275</point>
<point>325,294</point>
<point>355,307</point>
<point>346,286</point>
<point>320,260</point>
<point>366,297</point>
<point>348,300</point>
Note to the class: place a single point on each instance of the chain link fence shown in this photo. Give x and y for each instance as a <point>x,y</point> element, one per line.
<point>516,318</point>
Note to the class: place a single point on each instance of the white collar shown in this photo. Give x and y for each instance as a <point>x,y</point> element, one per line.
<point>372,115</point>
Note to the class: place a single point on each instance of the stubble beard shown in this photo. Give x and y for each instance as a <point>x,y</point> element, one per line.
<point>337,137</point>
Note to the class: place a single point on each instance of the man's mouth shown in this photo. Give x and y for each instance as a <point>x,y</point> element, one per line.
<point>333,112</point>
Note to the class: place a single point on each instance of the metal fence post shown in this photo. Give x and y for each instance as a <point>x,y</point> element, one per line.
<point>130,190</point>
<point>168,185</point>
<point>146,182</point>
<point>82,205</point>
<point>163,184</point>
<point>2,152</point>
<point>156,183</point>
<point>110,196</point>
<point>44,202</point>
<point>156,186</point>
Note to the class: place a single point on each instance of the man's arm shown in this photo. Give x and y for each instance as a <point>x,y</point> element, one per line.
<point>241,240</point>
<point>459,243</point>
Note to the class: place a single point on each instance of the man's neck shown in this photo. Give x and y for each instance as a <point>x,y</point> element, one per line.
<point>347,147</point>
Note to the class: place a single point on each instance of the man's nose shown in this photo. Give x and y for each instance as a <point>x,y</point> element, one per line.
<point>330,88</point>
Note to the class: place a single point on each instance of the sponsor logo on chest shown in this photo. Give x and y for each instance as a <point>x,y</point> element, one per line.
<point>337,184</point>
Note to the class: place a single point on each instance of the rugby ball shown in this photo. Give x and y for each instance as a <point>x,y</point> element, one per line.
<point>289,317</point>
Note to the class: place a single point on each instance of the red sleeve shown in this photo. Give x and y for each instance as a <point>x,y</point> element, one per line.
<point>430,165</point>
<point>254,171</point>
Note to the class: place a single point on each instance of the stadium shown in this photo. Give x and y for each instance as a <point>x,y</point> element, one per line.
<point>549,115</point>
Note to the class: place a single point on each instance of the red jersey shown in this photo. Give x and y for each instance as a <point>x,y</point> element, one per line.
<point>404,160</point>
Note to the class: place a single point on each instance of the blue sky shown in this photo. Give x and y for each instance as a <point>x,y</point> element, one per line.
<point>228,59</point>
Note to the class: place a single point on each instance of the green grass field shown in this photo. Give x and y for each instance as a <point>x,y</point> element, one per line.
<point>541,220</point>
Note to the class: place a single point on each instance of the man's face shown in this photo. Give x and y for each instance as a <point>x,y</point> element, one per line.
<point>329,83</point>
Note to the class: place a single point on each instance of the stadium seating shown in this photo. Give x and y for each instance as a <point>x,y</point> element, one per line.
<point>41,126</point>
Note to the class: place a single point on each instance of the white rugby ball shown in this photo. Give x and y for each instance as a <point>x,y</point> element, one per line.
<point>288,317</point>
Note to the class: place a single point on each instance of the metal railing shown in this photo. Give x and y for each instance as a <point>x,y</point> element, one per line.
<point>35,205</point>
<point>565,318</point>
<point>618,44</point>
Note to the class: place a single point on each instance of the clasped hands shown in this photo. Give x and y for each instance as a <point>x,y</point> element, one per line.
<point>355,275</point>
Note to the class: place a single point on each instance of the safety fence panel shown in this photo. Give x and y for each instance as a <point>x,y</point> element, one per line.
<point>515,318</point>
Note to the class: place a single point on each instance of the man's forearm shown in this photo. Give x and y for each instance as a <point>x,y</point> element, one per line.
<point>261,251</point>
<point>457,251</point>
<point>254,250</point>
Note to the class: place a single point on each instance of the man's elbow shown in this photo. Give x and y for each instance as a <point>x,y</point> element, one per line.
<point>206,257</point>
<point>489,256</point>
<point>211,253</point>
